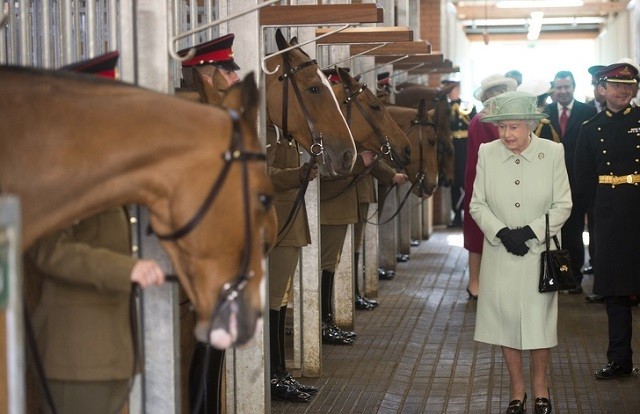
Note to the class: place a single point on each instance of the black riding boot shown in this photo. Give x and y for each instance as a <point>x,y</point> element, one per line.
<point>362,302</point>
<point>205,379</point>
<point>331,334</point>
<point>281,388</point>
<point>283,365</point>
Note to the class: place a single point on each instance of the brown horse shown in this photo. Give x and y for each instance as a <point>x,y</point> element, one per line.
<point>372,127</point>
<point>301,103</point>
<point>73,145</point>
<point>435,98</point>
<point>419,127</point>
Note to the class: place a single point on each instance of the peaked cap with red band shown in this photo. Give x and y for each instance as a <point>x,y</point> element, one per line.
<point>217,52</point>
<point>618,73</point>
<point>332,74</point>
<point>384,79</point>
<point>103,65</point>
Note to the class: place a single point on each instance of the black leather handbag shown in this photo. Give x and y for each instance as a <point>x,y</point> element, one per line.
<point>555,267</point>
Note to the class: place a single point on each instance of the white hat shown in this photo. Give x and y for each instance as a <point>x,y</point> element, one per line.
<point>535,87</point>
<point>492,81</point>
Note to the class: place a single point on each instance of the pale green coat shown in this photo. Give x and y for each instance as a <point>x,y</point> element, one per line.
<point>515,191</point>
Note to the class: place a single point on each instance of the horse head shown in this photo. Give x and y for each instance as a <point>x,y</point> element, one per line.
<point>220,261</point>
<point>436,99</point>
<point>300,102</point>
<point>419,127</point>
<point>372,127</point>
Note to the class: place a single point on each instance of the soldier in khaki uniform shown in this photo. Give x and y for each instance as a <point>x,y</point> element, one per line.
<point>342,204</point>
<point>82,321</point>
<point>283,160</point>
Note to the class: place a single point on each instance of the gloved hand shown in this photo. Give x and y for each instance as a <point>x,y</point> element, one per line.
<point>514,240</point>
<point>302,172</point>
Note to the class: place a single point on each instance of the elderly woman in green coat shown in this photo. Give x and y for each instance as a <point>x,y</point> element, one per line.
<point>520,178</point>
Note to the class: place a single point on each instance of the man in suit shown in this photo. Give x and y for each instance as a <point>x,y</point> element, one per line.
<point>567,116</point>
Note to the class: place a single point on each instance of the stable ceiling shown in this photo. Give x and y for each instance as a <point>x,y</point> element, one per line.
<point>575,19</point>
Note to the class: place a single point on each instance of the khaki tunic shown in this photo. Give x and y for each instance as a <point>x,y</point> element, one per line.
<point>515,191</point>
<point>82,321</point>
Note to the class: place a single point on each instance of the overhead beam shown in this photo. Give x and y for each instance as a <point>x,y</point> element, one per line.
<point>418,47</point>
<point>572,35</point>
<point>321,14</point>
<point>479,12</point>
<point>411,60</point>
<point>366,35</point>
<point>427,67</point>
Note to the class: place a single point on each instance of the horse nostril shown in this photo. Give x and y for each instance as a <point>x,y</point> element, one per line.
<point>347,159</point>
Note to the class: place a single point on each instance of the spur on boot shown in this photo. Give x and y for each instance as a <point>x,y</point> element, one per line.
<point>542,405</point>
<point>363,304</point>
<point>283,390</point>
<point>517,406</point>
<point>309,389</point>
<point>332,337</point>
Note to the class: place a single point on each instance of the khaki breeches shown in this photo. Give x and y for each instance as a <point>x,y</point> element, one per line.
<point>358,228</point>
<point>82,397</point>
<point>283,262</point>
<point>332,239</point>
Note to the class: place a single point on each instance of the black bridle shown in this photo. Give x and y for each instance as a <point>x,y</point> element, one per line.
<point>235,153</point>
<point>316,150</point>
<point>385,146</point>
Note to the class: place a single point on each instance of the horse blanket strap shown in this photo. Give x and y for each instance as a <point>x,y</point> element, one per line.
<point>235,153</point>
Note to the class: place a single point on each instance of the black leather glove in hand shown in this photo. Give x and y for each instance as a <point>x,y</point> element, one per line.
<point>514,240</point>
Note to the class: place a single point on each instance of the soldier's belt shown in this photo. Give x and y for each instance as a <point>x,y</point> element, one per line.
<point>461,133</point>
<point>619,179</point>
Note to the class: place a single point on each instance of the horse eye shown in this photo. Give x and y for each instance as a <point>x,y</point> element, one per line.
<point>266,200</point>
<point>314,90</point>
<point>375,107</point>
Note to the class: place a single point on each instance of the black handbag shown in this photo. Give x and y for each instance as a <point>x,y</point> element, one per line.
<point>555,267</point>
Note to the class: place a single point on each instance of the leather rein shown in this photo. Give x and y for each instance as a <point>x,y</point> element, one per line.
<point>316,149</point>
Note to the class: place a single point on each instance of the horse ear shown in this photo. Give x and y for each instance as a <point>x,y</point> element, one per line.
<point>344,76</point>
<point>280,40</point>
<point>250,99</point>
<point>431,113</point>
<point>294,41</point>
<point>421,105</point>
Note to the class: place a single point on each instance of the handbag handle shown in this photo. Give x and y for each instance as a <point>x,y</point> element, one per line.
<point>548,232</point>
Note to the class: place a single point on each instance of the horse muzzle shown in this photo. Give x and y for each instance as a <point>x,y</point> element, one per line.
<point>234,323</point>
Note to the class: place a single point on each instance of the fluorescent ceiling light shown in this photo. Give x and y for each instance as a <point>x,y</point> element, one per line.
<point>532,4</point>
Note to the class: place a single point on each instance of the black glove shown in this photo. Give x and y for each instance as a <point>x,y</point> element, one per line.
<point>514,240</point>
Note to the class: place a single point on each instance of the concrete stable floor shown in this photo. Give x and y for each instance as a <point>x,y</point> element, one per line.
<point>415,353</point>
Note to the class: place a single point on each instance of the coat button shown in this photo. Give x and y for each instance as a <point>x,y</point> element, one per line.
<point>517,204</point>
<point>517,182</point>
<point>518,161</point>
<point>604,151</point>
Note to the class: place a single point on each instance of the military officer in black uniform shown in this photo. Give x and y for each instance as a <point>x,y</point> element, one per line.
<point>461,114</point>
<point>607,170</point>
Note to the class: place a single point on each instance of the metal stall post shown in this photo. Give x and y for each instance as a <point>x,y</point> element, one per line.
<point>246,367</point>
<point>12,361</point>
<point>160,388</point>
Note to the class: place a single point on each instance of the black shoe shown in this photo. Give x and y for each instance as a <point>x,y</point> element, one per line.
<point>542,405</point>
<point>363,304</point>
<point>371,302</point>
<point>471,295</point>
<point>414,243</point>
<point>402,258</point>
<point>309,389</point>
<point>455,224</point>
<point>576,291</point>
<point>342,332</point>
<point>594,299</point>
<point>588,270</point>
<point>333,337</point>
<point>517,406</point>
<point>385,274</point>
<point>285,391</point>
<point>613,371</point>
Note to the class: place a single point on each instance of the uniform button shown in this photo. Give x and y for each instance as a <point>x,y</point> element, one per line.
<point>518,161</point>
<point>604,151</point>
<point>601,140</point>
<point>517,204</point>
<point>608,163</point>
<point>637,160</point>
<point>517,182</point>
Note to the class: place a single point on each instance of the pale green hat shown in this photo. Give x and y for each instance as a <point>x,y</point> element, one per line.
<point>512,106</point>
